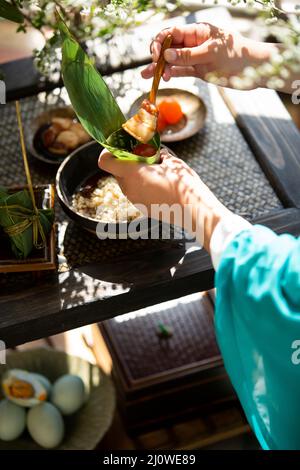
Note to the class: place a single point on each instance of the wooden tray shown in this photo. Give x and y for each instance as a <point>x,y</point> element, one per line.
<point>39,260</point>
<point>163,380</point>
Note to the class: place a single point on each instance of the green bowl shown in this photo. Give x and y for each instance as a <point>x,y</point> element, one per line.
<point>85,429</point>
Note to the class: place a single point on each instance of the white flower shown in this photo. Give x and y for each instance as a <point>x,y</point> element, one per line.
<point>222,81</point>
<point>295,67</point>
<point>277,59</point>
<point>266,69</point>
<point>212,78</point>
<point>237,82</point>
<point>270,21</point>
<point>287,54</point>
<point>275,82</point>
<point>123,15</point>
<point>250,72</point>
<point>160,3</point>
<point>284,73</point>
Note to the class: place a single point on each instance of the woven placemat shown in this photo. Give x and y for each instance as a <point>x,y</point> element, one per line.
<point>218,153</point>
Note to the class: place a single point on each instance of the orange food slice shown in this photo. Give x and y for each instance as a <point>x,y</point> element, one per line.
<point>170,110</point>
<point>161,123</point>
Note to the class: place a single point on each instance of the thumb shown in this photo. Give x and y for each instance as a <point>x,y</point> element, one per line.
<point>111,164</point>
<point>118,168</point>
<point>188,55</point>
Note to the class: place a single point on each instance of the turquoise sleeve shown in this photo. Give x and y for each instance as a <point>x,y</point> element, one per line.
<point>258,331</point>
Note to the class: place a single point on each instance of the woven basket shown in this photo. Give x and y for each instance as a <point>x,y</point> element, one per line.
<point>84,429</point>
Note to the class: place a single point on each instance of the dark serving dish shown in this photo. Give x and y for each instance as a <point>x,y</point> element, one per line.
<point>34,141</point>
<point>77,169</point>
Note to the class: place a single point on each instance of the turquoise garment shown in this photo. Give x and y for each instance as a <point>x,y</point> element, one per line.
<point>258,331</point>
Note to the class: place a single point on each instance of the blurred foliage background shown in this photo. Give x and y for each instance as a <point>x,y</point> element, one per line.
<point>91,20</point>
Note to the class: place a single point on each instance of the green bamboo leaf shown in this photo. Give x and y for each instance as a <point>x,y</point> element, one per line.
<point>3,192</point>
<point>10,12</point>
<point>94,104</point>
<point>22,243</point>
<point>120,143</point>
<point>125,155</point>
<point>91,98</point>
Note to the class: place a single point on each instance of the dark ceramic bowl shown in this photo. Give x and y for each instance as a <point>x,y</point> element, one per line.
<point>73,173</point>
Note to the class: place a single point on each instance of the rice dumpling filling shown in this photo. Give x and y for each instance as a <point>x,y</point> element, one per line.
<point>142,126</point>
<point>144,150</point>
<point>102,199</point>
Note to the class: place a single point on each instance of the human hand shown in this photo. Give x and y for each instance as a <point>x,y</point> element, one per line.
<point>172,183</point>
<point>200,49</point>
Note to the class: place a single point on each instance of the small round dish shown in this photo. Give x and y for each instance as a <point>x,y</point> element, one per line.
<point>34,134</point>
<point>193,107</point>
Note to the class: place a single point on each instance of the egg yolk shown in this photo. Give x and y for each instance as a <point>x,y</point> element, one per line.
<point>21,389</point>
<point>170,110</point>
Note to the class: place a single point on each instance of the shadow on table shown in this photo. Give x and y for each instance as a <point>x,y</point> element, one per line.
<point>123,261</point>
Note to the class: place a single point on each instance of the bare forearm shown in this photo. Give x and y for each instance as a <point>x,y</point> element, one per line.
<point>205,211</point>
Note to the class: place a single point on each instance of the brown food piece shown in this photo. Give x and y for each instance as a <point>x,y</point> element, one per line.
<point>61,124</point>
<point>82,135</point>
<point>49,136</point>
<point>58,149</point>
<point>63,135</point>
<point>89,185</point>
<point>68,139</point>
<point>144,150</point>
<point>143,125</point>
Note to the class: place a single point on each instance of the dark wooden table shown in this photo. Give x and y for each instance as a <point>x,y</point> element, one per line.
<point>99,291</point>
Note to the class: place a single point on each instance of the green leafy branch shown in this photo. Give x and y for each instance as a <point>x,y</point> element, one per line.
<point>92,19</point>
